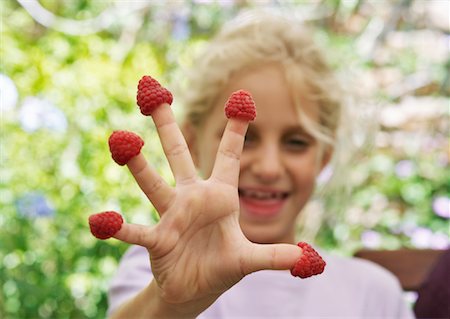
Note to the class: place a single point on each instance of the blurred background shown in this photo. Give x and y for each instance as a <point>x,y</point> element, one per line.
<point>68,77</point>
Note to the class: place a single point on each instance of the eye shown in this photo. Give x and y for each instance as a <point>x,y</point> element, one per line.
<point>250,139</point>
<point>296,142</point>
<point>219,133</point>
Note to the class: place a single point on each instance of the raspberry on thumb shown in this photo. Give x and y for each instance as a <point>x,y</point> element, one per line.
<point>240,105</point>
<point>309,264</point>
<point>124,146</point>
<point>151,94</point>
<point>106,224</point>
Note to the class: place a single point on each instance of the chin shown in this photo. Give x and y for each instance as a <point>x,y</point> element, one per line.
<point>263,234</point>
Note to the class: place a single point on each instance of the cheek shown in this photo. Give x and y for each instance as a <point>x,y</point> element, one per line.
<point>303,173</point>
<point>244,161</point>
<point>304,181</point>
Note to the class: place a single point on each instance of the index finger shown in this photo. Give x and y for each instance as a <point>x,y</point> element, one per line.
<point>227,165</point>
<point>240,109</point>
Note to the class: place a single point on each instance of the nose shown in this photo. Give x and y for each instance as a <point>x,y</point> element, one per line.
<point>267,164</point>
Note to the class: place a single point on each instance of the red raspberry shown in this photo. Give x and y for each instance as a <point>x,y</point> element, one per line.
<point>151,94</point>
<point>105,225</point>
<point>241,105</point>
<point>309,264</point>
<point>124,146</point>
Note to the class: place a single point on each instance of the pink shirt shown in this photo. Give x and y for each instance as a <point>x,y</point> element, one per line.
<point>349,288</point>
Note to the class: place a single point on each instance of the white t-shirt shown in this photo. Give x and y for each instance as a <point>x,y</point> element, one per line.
<point>348,288</point>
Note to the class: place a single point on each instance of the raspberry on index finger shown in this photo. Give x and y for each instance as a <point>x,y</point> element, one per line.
<point>240,105</point>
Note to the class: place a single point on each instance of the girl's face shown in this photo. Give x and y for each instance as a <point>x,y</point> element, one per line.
<point>279,162</point>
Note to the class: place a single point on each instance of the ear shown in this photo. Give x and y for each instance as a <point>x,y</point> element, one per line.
<point>190,136</point>
<point>328,154</point>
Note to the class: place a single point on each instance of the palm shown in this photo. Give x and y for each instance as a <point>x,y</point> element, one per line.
<point>201,228</point>
<point>198,249</point>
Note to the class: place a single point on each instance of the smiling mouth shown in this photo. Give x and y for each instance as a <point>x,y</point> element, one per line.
<point>262,195</point>
<point>259,203</point>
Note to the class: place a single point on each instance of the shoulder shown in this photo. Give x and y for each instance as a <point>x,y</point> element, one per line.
<point>362,273</point>
<point>136,255</point>
<point>134,265</point>
<point>377,289</point>
<point>132,275</point>
<point>135,259</point>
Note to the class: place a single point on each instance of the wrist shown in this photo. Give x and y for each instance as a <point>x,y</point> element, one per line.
<point>148,303</point>
<point>158,307</point>
<point>163,309</point>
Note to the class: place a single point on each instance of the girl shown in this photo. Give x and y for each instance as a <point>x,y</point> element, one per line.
<point>225,241</point>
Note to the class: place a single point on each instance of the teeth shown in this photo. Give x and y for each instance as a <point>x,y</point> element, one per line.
<point>263,195</point>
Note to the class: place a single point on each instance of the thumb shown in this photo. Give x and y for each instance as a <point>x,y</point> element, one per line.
<point>271,256</point>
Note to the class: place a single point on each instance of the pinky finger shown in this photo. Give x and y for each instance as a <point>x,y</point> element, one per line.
<point>111,224</point>
<point>136,235</point>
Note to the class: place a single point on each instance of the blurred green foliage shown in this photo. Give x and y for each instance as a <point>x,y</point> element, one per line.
<point>55,167</point>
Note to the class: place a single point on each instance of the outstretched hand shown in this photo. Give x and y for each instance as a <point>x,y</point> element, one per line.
<point>197,249</point>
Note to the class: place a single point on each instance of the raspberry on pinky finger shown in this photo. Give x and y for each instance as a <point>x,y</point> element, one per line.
<point>106,224</point>
<point>151,94</point>
<point>309,264</point>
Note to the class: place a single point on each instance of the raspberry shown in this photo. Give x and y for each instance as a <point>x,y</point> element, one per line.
<point>241,105</point>
<point>124,146</point>
<point>105,225</point>
<point>151,94</point>
<point>309,264</point>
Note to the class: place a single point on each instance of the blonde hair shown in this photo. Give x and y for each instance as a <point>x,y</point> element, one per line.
<point>255,38</point>
<point>258,37</point>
